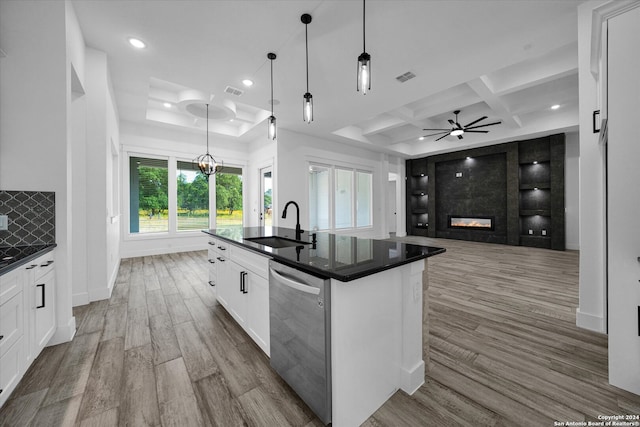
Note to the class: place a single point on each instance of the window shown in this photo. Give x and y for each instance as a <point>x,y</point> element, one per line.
<point>319,197</point>
<point>229,197</point>
<point>193,197</point>
<point>339,198</point>
<point>148,195</point>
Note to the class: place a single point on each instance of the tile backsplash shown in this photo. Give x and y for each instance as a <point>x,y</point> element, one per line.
<point>32,218</point>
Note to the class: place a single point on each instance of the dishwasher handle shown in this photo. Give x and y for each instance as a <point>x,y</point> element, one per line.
<point>295,284</point>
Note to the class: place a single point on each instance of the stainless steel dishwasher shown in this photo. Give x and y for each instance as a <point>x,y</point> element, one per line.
<point>299,312</point>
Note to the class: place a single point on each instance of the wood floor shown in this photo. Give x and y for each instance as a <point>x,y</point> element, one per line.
<point>504,351</point>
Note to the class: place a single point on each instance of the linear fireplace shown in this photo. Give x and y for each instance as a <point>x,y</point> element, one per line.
<point>471,222</point>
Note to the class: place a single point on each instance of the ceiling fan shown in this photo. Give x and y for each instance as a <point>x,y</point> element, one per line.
<point>458,130</point>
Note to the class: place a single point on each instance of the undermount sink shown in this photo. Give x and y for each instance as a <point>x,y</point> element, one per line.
<point>276,242</point>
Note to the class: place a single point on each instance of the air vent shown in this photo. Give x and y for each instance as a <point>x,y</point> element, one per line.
<point>233,91</point>
<point>406,76</point>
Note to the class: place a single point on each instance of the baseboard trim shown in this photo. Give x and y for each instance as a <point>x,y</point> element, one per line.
<point>163,250</point>
<point>412,380</point>
<point>572,246</point>
<point>590,322</point>
<point>64,333</point>
<point>80,299</point>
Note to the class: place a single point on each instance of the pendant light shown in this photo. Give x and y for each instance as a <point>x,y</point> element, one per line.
<point>364,62</point>
<point>271,130</point>
<point>307,98</point>
<point>206,163</point>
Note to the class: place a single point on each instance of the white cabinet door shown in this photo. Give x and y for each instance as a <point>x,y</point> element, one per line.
<point>11,369</point>
<point>238,304</point>
<point>257,289</point>
<point>623,175</point>
<point>224,281</point>
<point>45,316</point>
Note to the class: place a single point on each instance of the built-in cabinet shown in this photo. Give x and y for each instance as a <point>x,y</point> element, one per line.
<point>241,285</point>
<point>518,185</point>
<point>417,197</point>
<point>27,318</point>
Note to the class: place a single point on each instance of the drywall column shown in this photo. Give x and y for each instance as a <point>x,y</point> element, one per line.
<point>591,313</point>
<point>34,120</point>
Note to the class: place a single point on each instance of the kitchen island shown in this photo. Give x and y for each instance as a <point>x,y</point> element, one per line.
<point>376,304</point>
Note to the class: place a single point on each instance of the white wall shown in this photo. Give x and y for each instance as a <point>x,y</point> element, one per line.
<point>34,121</point>
<point>572,189</point>
<point>262,153</point>
<point>293,154</point>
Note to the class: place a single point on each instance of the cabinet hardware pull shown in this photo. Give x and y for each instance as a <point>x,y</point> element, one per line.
<point>1,336</point>
<point>31,266</point>
<point>222,248</point>
<point>42,290</point>
<point>242,282</point>
<point>211,283</point>
<point>211,261</point>
<point>243,278</point>
<point>212,243</point>
<point>220,259</point>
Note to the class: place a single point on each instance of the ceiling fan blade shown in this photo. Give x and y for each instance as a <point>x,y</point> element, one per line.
<point>442,137</point>
<point>481,126</point>
<point>475,121</point>
<point>476,131</point>
<point>437,133</point>
<point>437,129</point>
<point>459,136</point>
<point>452,123</point>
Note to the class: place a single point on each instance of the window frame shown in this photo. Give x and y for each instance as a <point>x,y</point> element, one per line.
<point>332,195</point>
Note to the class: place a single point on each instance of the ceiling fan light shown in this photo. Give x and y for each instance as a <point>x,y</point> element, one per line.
<point>456,132</point>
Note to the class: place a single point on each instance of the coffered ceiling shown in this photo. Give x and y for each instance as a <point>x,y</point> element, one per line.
<point>509,60</point>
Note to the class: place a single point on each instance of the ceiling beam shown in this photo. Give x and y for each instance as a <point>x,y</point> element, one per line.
<point>482,87</point>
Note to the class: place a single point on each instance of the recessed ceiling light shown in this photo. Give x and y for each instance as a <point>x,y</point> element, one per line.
<point>555,107</point>
<point>137,43</point>
<point>535,162</point>
<point>166,104</point>
<point>247,82</point>
<point>421,138</point>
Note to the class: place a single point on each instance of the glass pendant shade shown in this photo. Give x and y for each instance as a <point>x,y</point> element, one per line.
<point>271,133</point>
<point>307,107</point>
<point>364,73</point>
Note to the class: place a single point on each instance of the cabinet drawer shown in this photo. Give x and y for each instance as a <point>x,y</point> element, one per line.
<point>45,265</point>
<point>10,284</point>
<point>10,373</point>
<point>11,322</point>
<point>250,260</point>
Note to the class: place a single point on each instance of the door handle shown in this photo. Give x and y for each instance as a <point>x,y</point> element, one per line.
<point>41,286</point>
<point>295,284</point>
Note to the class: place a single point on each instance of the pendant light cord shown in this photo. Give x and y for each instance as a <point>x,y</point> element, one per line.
<point>364,49</point>
<point>207,128</point>
<point>306,44</point>
<point>271,86</point>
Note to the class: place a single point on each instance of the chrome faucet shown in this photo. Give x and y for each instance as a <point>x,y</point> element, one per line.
<point>299,231</point>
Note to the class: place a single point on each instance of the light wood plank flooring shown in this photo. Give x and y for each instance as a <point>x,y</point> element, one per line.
<point>504,351</point>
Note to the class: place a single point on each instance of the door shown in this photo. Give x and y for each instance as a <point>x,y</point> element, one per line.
<point>238,293</point>
<point>44,306</point>
<point>391,207</point>
<point>266,197</point>
<point>623,193</point>
<point>257,289</point>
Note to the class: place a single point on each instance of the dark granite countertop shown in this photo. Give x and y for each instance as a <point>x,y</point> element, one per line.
<point>12,257</point>
<point>337,256</point>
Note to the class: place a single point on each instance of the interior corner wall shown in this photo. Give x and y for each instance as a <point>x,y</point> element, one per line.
<point>572,189</point>
<point>34,110</point>
<point>591,312</point>
<point>295,150</point>
<point>262,153</point>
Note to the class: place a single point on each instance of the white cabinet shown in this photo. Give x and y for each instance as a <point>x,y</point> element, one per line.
<point>12,318</point>
<point>27,318</point>
<point>242,287</point>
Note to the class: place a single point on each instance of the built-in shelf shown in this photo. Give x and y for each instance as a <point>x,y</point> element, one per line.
<point>532,212</point>
<point>536,186</point>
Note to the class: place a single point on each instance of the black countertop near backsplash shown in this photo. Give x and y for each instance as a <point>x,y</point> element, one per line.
<point>337,256</point>
<point>12,257</point>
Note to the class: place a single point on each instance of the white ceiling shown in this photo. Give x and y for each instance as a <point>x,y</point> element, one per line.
<point>509,60</point>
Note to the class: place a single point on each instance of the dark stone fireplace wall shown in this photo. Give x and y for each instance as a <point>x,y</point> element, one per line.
<point>500,181</point>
